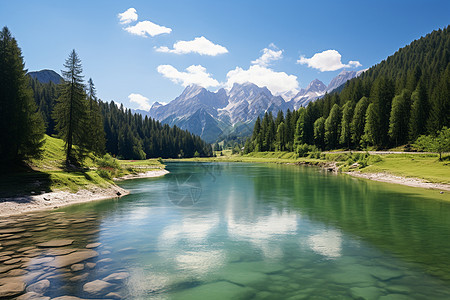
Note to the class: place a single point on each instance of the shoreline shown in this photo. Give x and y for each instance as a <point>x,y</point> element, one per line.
<point>407,181</point>
<point>53,200</point>
<point>148,174</point>
<point>332,166</point>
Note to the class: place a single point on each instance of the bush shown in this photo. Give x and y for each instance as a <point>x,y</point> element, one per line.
<point>305,149</point>
<point>108,167</point>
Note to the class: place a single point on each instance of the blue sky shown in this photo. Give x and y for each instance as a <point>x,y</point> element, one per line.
<point>282,44</point>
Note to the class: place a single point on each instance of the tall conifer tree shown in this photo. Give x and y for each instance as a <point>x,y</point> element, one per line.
<point>22,127</point>
<point>71,109</point>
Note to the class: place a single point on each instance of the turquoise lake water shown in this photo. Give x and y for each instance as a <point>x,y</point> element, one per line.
<point>249,231</point>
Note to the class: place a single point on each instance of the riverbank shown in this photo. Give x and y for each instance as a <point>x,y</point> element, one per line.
<point>422,170</point>
<point>46,183</point>
<point>52,200</point>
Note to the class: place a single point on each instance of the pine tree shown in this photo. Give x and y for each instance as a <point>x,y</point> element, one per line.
<point>281,137</point>
<point>382,94</point>
<point>71,109</point>
<point>332,127</point>
<point>440,104</point>
<point>398,121</point>
<point>359,120</point>
<point>319,132</point>
<point>371,127</point>
<point>419,111</point>
<point>96,133</point>
<point>300,128</point>
<point>22,127</point>
<point>347,116</point>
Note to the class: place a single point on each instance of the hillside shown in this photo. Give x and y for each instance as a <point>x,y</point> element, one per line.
<point>48,173</point>
<point>46,76</point>
<point>390,104</point>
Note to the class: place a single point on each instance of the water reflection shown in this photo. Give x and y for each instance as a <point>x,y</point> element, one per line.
<point>256,232</point>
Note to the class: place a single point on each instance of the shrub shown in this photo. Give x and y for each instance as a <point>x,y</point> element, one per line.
<point>108,167</point>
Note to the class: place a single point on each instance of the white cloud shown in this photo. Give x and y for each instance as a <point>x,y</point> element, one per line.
<point>128,16</point>
<point>329,60</point>
<point>268,56</point>
<point>200,45</point>
<point>142,101</point>
<point>147,28</point>
<point>277,82</point>
<point>195,74</point>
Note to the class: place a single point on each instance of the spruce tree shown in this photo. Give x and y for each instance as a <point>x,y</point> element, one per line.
<point>419,111</point>
<point>440,104</point>
<point>22,127</point>
<point>96,133</point>
<point>71,109</point>
<point>281,137</point>
<point>319,132</point>
<point>300,128</point>
<point>332,127</point>
<point>347,116</point>
<point>359,120</point>
<point>398,121</point>
<point>382,94</point>
<point>371,127</point>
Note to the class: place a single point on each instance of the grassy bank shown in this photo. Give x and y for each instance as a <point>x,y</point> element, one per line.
<point>49,174</point>
<point>413,165</point>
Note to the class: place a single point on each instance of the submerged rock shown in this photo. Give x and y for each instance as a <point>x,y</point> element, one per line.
<point>32,296</point>
<point>93,245</point>
<point>55,243</point>
<point>39,287</point>
<point>72,258</point>
<point>117,277</point>
<point>97,287</point>
<point>77,267</point>
<point>11,286</point>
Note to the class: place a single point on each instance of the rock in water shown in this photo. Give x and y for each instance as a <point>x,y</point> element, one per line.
<point>39,287</point>
<point>11,286</point>
<point>117,277</point>
<point>72,258</point>
<point>55,243</point>
<point>97,287</point>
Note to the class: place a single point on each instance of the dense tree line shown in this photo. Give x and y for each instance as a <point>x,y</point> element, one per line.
<point>131,136</point>
<point>22,127</point>
<point>391,104</point>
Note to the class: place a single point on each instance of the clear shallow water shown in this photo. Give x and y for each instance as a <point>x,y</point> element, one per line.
<point>247,231</point>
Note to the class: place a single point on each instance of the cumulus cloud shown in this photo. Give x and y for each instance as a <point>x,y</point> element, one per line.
<point>147,28</point>
<point>142,101</point>
<point>268,56</point>
<point>195,74</point>
<point>128,16</point>
<point>200,45</point>
<point>277,82</point>
<point>328,60</point>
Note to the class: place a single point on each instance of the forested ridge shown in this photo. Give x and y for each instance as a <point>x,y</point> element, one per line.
<point>390,104</point>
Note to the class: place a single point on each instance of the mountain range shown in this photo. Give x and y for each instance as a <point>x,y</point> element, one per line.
<point>215,115</point>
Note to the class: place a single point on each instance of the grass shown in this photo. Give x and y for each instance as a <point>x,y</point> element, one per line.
<point>424,166</point>
<point>48,173</point>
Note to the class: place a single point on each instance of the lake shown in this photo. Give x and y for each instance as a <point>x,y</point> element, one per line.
<point>238,231</point>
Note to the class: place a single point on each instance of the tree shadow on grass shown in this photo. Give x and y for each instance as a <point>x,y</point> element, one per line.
<point>22,182</point>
